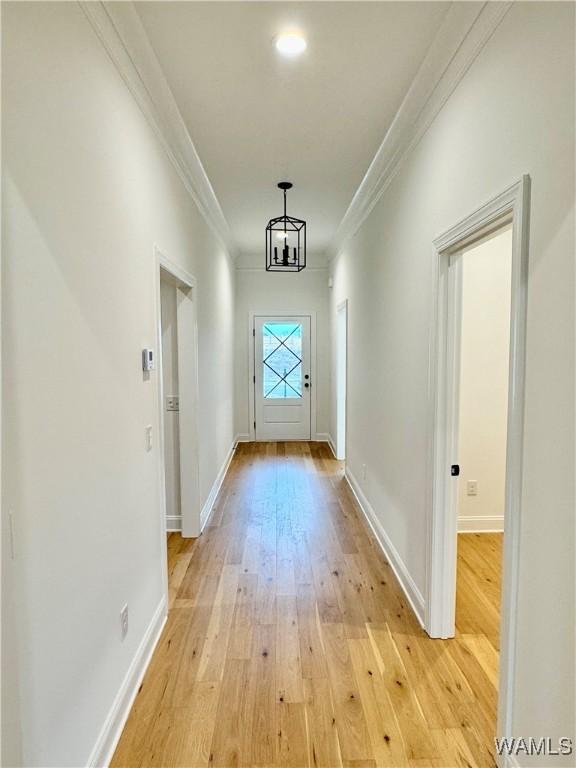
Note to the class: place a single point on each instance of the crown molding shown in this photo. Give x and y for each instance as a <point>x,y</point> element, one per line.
<point>464,32</point>
<point>122,34</point>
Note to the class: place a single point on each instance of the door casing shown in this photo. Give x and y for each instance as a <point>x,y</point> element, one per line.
<point>341,379</point>
<point>510,206</point>
<point>187,329</point>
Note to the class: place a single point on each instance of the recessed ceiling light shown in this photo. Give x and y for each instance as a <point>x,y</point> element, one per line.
<point>290,45</point>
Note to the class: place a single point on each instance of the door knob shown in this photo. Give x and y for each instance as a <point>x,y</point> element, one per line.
<point>306,385</point>
<point>306,376</point>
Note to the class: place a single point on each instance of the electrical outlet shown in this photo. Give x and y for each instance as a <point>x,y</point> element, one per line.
<point>124,621</point>
<point>172,403</point>
<point>363,471</point>
<point>472,488</point>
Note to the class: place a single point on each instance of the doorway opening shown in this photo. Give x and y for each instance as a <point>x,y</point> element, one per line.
<point>170,387</point>
<point>341,377</point>
<point>178,389</point>
<point>483,350</point>
<point>501,227</point>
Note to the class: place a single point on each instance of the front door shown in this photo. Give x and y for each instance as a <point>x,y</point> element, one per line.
<point>282,377</point>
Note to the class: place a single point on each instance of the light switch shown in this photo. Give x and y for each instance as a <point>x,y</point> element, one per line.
<point>148,437</point>
<point>172,403</point>
<point>147,360</point>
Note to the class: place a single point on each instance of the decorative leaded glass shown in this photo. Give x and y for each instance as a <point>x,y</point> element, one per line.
<point>282,360</point>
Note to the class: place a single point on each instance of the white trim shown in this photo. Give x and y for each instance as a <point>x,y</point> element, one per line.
<point>481,524</point>
<point>341,307</point>
<point>251,366</point>
<point>326,437</point>
<point>122,34</point>
<point>411,591</point>
<point>108,738</point>
<point>332,445</point>
<point>208,506</point>
<point>181,274</point>
<point>188,438</point>
<point>462,35</point>
<point>512,204</point>
<point>173,523</point>
<point>242,437</point>
<point>188,389</point>
<point>160,462</point>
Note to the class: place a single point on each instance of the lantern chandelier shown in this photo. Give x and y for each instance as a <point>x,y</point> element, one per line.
<point>285,241</point>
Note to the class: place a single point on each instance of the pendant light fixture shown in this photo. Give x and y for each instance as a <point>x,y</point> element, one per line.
<point>285,240</point>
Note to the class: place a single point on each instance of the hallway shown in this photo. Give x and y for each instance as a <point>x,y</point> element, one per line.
<point>289,641</point>
<point>232,227</point>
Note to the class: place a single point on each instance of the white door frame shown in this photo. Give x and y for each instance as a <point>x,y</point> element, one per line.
<point>511,206</point>
<point>187,331</point>
<point>340,447</point>
<point>252,366</point>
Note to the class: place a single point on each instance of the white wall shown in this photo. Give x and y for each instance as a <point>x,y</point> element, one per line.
<point>168,301</point>
<point>512,113</point>
<point>272,293</point>
<point>484,373</point>
<point>87,193</point>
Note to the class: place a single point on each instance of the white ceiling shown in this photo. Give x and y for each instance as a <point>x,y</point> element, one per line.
<point>256,118</point>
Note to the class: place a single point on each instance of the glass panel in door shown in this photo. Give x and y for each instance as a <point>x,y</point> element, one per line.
<point>282,360</point>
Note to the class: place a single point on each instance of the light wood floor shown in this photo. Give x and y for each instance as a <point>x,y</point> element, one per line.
<point>290,643</point>
<point>479,587</point>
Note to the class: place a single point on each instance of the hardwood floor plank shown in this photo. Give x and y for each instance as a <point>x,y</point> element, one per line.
<point>216,645</point>
<point>289,679</point>
<point>244,618</point>
<point>292,740</point>
<point>351,723</point>
<point>385,736</point>
<point>290,643</point>
<point>412,723</point>
<point>233,717</point>
<point>262,688</point>
<point>323,744</point>
<point>486,655</point>
<point>186,732</point>
<point>311,648</point>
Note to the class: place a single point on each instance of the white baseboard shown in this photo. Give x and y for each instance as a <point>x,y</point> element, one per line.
<point>320,437</point>
<point>173,523</point>
<point>413,594</point>
<point>103,751</point>
<point>326,437</point>
<point>481,524</point>
<point>208,507</point>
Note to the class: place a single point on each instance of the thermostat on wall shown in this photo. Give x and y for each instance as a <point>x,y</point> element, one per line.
<point>147,360</point>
